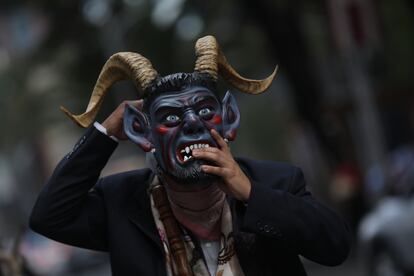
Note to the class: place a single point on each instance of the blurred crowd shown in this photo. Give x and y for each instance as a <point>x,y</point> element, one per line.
<point>341,108</point>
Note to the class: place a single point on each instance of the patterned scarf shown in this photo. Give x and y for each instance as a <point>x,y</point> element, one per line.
<point>228,263</point>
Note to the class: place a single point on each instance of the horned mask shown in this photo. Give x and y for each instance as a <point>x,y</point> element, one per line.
<point>127,65</point>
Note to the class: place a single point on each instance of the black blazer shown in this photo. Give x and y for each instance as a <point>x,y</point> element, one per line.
<point>281,220</point>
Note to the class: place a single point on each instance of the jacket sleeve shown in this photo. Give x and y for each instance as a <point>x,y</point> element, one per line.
<point>292,217</point>
<point>70,207</point>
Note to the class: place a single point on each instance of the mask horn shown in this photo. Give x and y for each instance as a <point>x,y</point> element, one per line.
<point>120,66</point>
<point>212,61</point>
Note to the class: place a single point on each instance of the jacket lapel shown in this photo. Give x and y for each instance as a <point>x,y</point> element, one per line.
<point>140,214</point>
<point>244,242</point>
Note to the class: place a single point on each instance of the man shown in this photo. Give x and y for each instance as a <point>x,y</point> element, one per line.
<point>197,210</point>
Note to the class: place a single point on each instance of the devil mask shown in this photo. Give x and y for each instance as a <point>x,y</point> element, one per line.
<point>175,122</point>
<point>179,109</point>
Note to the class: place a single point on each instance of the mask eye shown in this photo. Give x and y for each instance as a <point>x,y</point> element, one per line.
<point>205,112</point>
<point>172,118</point>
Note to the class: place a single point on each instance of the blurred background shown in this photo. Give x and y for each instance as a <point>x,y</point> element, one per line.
<point>341,107</point>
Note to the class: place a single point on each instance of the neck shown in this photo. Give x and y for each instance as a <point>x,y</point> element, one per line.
<point>198,208</point>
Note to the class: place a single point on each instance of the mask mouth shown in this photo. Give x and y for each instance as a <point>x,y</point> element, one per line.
<point>185,151</point>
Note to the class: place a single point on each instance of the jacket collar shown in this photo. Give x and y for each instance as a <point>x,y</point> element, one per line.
<point>139,211</point>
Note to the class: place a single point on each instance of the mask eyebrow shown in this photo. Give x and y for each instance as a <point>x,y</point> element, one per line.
<point>167,103</point>
<point>199,98</point>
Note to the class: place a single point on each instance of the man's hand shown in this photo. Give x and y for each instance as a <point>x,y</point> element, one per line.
<point>114,123</point>
<point>235,182</point>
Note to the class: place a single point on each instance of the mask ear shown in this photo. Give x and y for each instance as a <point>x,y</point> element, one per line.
<point>231,116</point>
<point>136,127</point>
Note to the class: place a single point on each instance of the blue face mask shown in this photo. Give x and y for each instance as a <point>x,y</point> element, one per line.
<point>178,122</point>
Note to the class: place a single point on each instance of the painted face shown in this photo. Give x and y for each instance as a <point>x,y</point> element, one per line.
<point>181,122</point>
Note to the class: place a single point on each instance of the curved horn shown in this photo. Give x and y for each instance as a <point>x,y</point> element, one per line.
<point>212,61</point>
<point>120,66</point>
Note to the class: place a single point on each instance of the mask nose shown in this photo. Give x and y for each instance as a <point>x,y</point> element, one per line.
<point>192,123</point>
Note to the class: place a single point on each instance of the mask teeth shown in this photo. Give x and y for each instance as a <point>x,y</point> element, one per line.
<point>187,152</point>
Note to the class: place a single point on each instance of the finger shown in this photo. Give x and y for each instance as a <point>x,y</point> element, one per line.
<point>220,141</point>
<point>214,170</point>
<point>225,156</point>
<point>138,104</point>
<point>213,154</point>
<point>210,156</point>
<point>209,149</point>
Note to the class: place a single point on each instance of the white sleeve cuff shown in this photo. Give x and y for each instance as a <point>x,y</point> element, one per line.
<point>103,130</point>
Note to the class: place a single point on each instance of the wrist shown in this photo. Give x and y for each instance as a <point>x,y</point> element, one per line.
<point>106,125</point>
<point>101,128</point>
<point>244,190</point>
<point>111,128</point>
